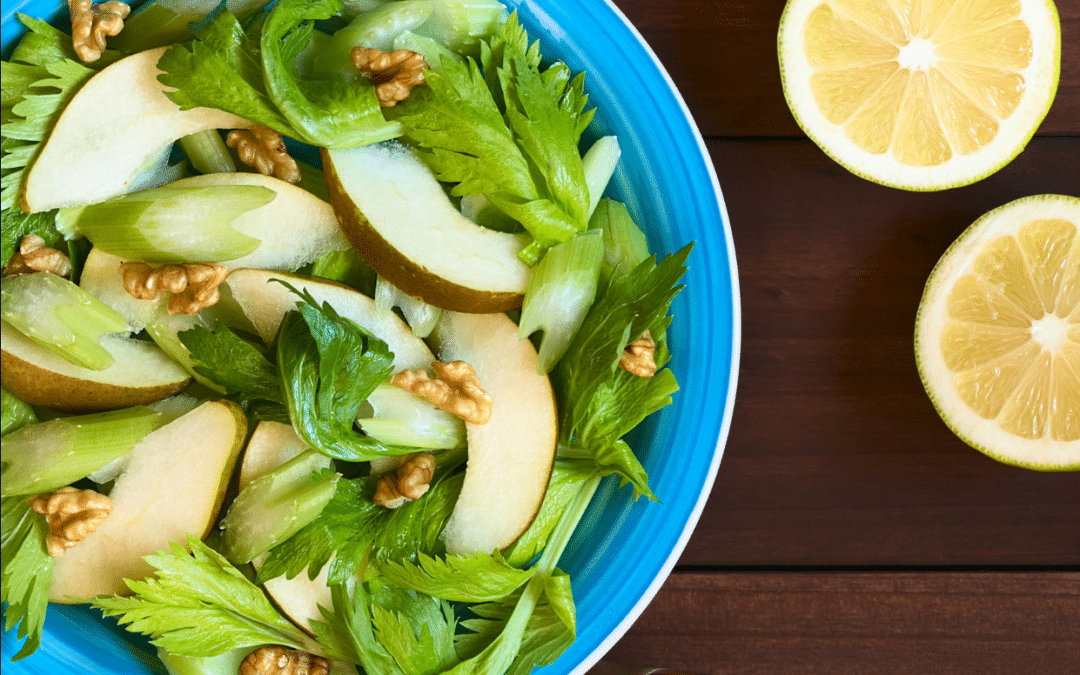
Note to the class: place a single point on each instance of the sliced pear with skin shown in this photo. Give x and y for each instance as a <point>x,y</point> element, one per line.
<point>401,222</point>
<point>511,456</point>
<point>265,302</point>
<point>140,374</point>
<point>116,123</point>
<point>173,484</point>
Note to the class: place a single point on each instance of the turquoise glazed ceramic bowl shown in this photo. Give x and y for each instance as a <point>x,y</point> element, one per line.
<point>622,551</point>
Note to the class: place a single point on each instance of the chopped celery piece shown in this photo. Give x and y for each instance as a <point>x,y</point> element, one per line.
<point>273,507</point>
<point>460,24</point>
<point>479,209</point>
<point>599,163</point>
<point>207,152</point>
<point>346,267</point>
<point>431,50</point>
<point>164,22</point>
<point>420,316</point>
<point>43,457</point>
<point>57,314</point>
<point>351,8</point>
<point>397,417</point>
<point>561,291</point>
<point>376,29</point>
<point>169,224</point>
<point>16,413</point>
<point>624,243</point>
<point>222,664</point>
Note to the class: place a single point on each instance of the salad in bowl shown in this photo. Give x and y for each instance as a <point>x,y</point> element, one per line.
<point>340,336</point>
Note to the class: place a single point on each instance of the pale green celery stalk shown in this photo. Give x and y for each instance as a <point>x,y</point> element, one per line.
<point>43,457</point>
<point>421,316</point>
<point>353,7</point>
<point>169,224</point>
<point>273,507</point>
<point>164,22</point>
<point>207,152</point>
<point>400,418</point>
<point>480,210</point>
<point>599,162</point>
<point>376,29</point>
<point>223,664</point>
<point>16,413</point>
<point>60,316</point>
<point>307,60</point>
<point>459,25</point>
<point>431,50</point>
<point>625,246</point>
<point>561,290</point>
<point>313,180</point>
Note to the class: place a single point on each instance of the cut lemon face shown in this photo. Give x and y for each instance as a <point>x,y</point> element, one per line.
<point>920,94</point>
<point>997,337</point>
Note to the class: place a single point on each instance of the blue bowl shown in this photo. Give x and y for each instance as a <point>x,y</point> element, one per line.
<point>623,551</point>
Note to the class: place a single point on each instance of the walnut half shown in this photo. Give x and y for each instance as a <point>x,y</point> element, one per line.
<point>455,389</point>
<point>637,358</point>
<point>194,286</point>
<point>263,149</point>
<point>283,661</point>
<point>34,256</point>
<point>90,24</point>
<point>409,482</point>
<point>394,74</point>
<point>71,514</point>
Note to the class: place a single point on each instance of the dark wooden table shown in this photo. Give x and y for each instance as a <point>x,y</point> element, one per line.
<point>849,531</point>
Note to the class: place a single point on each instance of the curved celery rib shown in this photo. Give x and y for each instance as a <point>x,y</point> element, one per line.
<point>375,29</point>
<point>400,418</point>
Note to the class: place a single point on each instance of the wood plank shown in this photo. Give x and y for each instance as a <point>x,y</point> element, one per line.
<point>722,56</point>
<point>748,623</point>
<point>836,455</point>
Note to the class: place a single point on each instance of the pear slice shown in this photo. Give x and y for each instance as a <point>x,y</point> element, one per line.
<point>173,484</point>
<point>400,220</point>
<point>140,374</point>
<point>118,122</point>
<point>265,302</point>
<point>510,457</point>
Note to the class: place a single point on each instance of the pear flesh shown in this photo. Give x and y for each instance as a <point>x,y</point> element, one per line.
<point>511,456</point>
<point>114,126</point>
<point>140,374</point>
<point>173,484</point>
<point>402,224</point>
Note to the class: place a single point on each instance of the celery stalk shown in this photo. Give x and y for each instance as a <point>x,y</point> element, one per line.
<point>164,22</point>
<point>459,25</point>
<point>420,316</point>
<point>169,224</point>
<point>376,29</point>
<point>599,163</point>
<point>222,664</point>
<point>42,457</point>
<point>16,413</point>
<point>207,152</point>
<point>561,291</point>
<point>624,243</point>
<point>400,418</point>
<point>57,314</point>
<point>273,507</point>
<point>431,50</point>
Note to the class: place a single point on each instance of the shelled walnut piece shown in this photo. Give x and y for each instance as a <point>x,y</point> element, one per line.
<point>455,389</point>
<point>90,24</point>
<point>263,149</point>
<point>34,256</point>
<point>637,358</point>
<point>283,661</point>
<point>194,286</point>
<point>71,514</point>
<point>394,74</point>
<point>411,480</point>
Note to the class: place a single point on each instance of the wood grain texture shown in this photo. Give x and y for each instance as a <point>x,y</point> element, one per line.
<point>722,55</point>
<point>749,623</point>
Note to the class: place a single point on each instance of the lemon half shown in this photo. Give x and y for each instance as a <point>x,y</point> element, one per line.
<point>997,336</point>
<point>920,94</point>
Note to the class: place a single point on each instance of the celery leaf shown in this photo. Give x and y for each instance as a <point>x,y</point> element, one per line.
<point>198,604</point>
<point>461,578</point>
<point>27,571</point>
<point>224,358</point>
<point>16,224</point>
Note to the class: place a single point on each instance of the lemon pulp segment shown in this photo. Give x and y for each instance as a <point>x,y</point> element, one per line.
<point>924,79</point>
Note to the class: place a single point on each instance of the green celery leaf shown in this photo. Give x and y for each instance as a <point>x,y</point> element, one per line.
<point>599,401</point>
<point>16,224</point>
<point>479,578</point>
<point>226,359</point>
<point>567,477</point>
<point>198,604</point>
<point>417,630</point>
<point>347,632</point>
<point>27,571</point>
